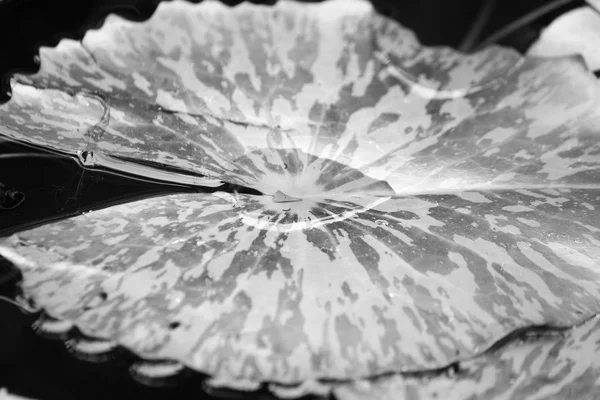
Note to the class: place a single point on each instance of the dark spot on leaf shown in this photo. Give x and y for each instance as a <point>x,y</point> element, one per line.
<point>382,121</point>
<point>455,369</point>
<point>348,292</point>
<point>31,302</point>
<point>573,153</point>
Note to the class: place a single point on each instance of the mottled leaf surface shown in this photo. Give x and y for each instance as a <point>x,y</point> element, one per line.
<point>419,204</point>
<point>200,87</point>
<point>560,366</point>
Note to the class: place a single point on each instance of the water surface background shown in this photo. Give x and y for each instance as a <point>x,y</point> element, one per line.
<point>57,187</point>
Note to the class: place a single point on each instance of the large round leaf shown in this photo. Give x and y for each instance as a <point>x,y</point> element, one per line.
<point>419,204</point>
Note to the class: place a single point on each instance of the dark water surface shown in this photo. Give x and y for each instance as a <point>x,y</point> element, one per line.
<point>57,187</point>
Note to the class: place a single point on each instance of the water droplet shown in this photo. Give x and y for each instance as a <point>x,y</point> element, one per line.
<point>176,242</point>
<point>86,157</point>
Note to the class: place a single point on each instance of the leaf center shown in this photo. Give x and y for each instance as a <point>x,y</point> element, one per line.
<point>280,197</point>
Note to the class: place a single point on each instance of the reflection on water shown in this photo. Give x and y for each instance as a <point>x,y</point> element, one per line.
<point>51,186</point>
<point>10,198</point>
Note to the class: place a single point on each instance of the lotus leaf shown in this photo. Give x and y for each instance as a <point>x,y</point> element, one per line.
<point>418,204</point>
